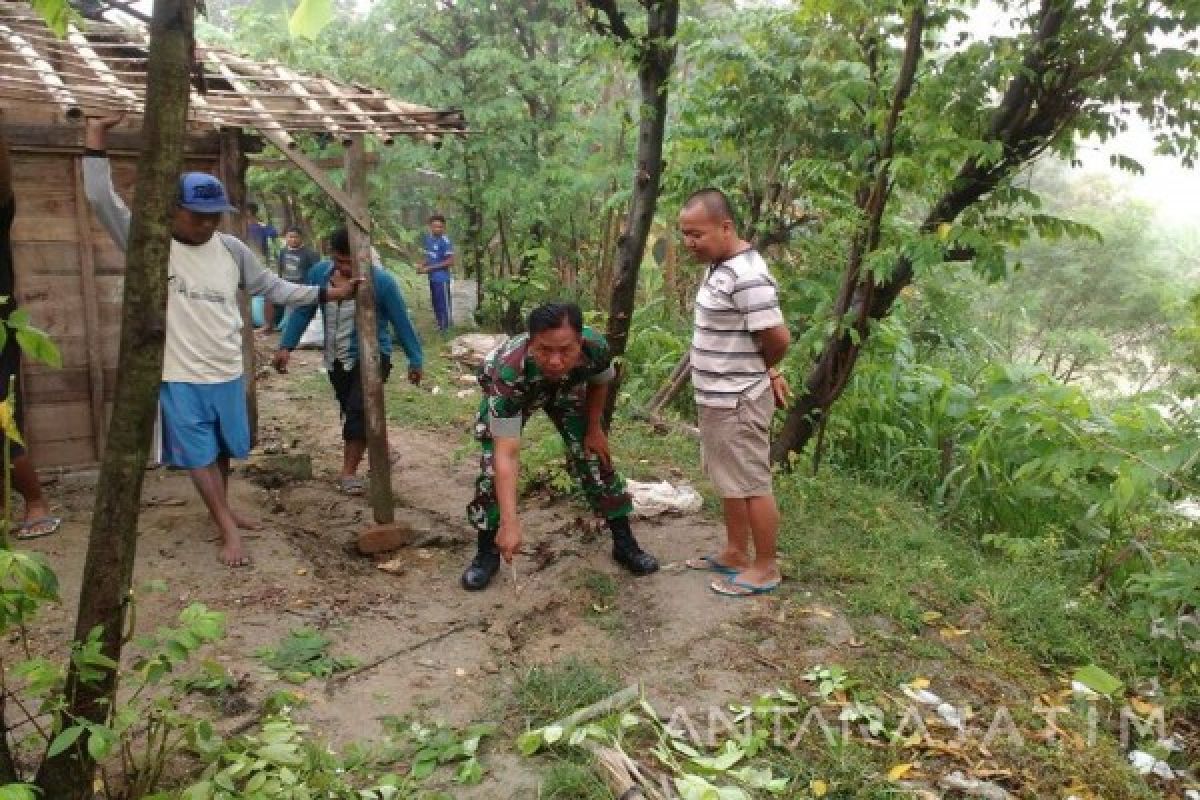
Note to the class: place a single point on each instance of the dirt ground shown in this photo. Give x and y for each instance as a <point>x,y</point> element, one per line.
<point>443,652</point>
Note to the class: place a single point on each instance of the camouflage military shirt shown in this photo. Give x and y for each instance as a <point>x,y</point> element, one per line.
<point>514,387</point>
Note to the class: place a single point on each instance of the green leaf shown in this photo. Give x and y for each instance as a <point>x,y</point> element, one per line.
<point>56,13</point>
<point>64,740</point>
<point>310,18</point>
<point>18,791</point>
<point>100,742</point>
<point>529,742</point>
<point>423,769</point>
<point>730,755</point>
<point>37,345</point>
<point>1098,680</point>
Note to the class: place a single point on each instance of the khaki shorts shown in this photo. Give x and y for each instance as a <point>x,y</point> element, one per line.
<point>737,445</point>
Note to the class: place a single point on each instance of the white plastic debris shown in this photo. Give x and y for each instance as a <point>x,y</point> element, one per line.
<point>959,782</point>
<point>1080,690</point>
<point>950,716</point>
<point>472,348</point>
<point>652,499</point>
<point>1172,744</point>
<point>1188,509</point>
<point>1147,764</point>
<point>314,334</point>
<point>1191,794</point>
<point>922,696</point>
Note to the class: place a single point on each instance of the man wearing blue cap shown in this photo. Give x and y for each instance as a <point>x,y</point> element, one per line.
<point>202,398</point>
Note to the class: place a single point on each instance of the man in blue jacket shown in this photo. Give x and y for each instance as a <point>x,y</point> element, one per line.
<point>341,346</point>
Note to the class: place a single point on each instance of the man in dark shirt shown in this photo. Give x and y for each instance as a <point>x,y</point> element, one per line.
<point>294,262</point>
<point>37,521</point>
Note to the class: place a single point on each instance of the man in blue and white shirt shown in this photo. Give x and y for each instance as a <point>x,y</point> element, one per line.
<point>439,258</point>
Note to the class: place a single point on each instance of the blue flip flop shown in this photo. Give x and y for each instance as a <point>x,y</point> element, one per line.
<point>710,564</point>
<point>732,587</point>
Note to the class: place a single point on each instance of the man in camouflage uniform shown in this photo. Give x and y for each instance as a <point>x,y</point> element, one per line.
<point>565,369</point>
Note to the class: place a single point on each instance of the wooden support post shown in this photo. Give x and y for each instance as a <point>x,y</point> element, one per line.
<point>233,175</point>
<point>380,490</point>
<point>349,206</point>
<point>91,312</point>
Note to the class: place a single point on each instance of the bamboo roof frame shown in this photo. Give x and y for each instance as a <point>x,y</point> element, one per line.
<point>100,69</point>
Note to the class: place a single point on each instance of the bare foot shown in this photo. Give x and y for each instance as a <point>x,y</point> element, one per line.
<point>233,554</point>
<point>245,523</point>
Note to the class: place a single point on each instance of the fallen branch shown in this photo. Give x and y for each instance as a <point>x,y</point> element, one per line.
<point>601,708</point>
<point>674,385</point>
<point>622,774</point>
<point>342,677</point>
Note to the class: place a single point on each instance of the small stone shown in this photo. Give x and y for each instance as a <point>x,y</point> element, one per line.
<point>490,667</point>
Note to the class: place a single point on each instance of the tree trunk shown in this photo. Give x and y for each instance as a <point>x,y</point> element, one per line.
<point>655,59</point>
<point>475,246</point>
<point>112,541</point>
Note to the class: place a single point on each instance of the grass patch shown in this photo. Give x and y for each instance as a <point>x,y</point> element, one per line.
<point>1017,626</point>
<point>600,596</point>
<point>571,780</point>
<point>601,585</point>
<point>547,693</point>
<point>908,568</point>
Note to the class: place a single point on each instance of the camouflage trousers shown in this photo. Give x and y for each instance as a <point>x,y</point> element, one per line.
<point>602,485</point>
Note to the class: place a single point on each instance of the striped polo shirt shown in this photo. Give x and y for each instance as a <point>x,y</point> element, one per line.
<point>737,299</point>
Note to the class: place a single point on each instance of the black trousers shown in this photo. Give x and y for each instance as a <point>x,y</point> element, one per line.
<point>347,385</point>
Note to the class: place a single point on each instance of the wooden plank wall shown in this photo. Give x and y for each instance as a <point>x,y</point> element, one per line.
<point>69,276</point>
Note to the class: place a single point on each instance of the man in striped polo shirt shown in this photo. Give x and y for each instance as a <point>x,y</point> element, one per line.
<point>738,339</point>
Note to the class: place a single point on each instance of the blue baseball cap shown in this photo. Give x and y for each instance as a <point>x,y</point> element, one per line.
<point>203,193</point>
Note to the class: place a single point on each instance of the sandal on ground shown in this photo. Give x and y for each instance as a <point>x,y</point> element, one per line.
<point>732,587</point>
<point>710,564</point>
<point>37,528</point>
<point>351,486</point>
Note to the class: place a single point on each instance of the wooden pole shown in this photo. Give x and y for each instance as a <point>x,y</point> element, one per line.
<point>91,312</point>
<point>366,320</point>
<point>233,175</point>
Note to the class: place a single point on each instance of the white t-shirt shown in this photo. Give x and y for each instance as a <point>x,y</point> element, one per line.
<point>204,324</point>
<point>737,299</point>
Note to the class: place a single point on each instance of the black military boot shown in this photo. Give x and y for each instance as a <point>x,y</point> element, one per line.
<point>485,564</point>
<point>627,552</point>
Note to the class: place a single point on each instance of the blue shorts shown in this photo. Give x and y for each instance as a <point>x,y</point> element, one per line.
<point>202,422</point>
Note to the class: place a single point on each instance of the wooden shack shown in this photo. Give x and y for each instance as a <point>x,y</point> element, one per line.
<point>69,275</point>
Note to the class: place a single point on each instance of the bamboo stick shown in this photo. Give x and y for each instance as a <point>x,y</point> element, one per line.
<point>58,90</point>
<point>89,56</point>
<point>270,122</point>
<point>313,105</point>
<point>350,104</point>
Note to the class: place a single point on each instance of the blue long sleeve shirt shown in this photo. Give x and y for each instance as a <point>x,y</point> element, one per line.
<point>340,326</point>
